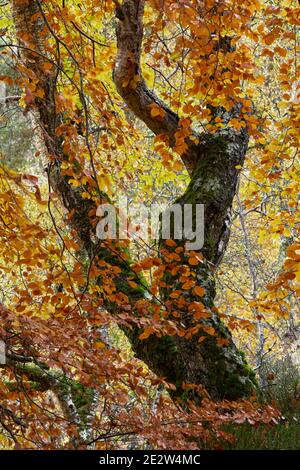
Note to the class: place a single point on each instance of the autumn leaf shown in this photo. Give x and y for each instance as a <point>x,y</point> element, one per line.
<point>157,111</point>
<point>199,291</point>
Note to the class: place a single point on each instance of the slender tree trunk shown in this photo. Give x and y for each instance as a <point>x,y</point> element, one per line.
<point>260,353</point>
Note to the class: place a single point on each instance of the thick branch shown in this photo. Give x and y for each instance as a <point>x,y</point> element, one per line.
<point>76,401</point>
<point>131,85</point>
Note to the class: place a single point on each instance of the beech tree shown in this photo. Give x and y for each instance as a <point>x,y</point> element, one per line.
<point>89,96</point>
<point>212,165</point>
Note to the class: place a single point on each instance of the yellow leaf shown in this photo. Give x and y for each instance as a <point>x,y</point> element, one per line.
<point>104,183</point>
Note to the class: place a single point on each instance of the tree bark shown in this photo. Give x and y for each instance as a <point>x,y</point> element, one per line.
<point>218,365</point>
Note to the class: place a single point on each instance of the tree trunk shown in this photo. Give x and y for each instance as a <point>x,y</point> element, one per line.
<point>221,369</point>
<point>212,166</point>
<point>214,362</point>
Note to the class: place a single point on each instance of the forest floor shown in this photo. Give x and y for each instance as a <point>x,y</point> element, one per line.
<point>283,394</point>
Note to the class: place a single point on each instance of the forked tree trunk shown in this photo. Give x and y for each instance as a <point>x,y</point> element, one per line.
<point>221,369</point>
<point>212,163</point>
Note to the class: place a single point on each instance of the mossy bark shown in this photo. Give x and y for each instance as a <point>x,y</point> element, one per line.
<point>222,369</point>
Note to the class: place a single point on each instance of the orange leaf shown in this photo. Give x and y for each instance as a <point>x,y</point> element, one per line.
<point>175,294</point>
<point>200,291</point>
<point>170,243</point>
<point>157,111</point>
<point>146,333</point>
<point>187,285</point>
<point>132,284</point>
<point>209,330</point>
